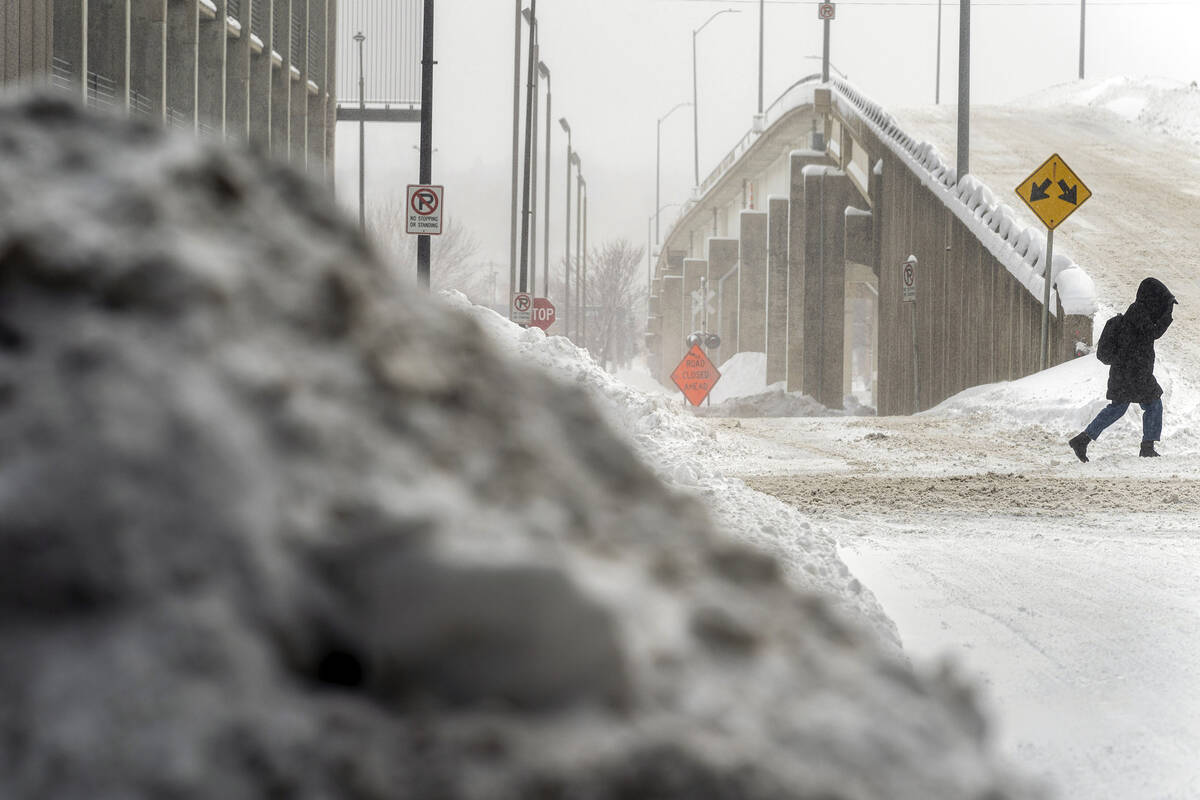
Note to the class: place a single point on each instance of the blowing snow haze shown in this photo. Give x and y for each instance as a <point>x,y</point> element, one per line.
<point>274,521</point>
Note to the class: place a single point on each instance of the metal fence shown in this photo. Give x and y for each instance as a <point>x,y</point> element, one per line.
<point>101,91</point>
<point>391,52</point>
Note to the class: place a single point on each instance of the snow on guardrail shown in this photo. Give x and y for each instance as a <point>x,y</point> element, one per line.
<point>1020,248</point>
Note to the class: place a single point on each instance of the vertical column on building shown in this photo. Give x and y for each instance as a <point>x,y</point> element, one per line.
<point>329,87</point>
<point>212,39</point>
<point>108,53</point>
<point>298,75</point>
<point>671,305</point>
<point>826,193</point>
<point>281,79</point>
<point>183,28</point>
<point>261,72</point>
<point>237,74</point>
<point>69,57</point>
<point>26,41</point>
<point>318,74</point>
<point>148,58</point>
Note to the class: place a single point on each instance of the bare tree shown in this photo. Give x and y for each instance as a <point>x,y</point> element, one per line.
<point>454,256</point>
<point>615,292</point>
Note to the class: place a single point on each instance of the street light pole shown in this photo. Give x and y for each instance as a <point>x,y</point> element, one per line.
<point>1082,17</point>
<point>964,89</point>
<point>567,247</point>
<point>529,123</point>
<point>427,62</point>
<point>657,160</point>
<point>760,56</point>
<point>695,100</point>
<point>937,81</point>
<point>362,135</point>
<point>516,139</point>
<point>583,279</point>
<point>545,73</point>
<point>578,237</point>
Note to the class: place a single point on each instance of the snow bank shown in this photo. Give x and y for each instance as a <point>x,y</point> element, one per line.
<point>1157,104</point>
<point>682,451</point>
<point>1020,249</point>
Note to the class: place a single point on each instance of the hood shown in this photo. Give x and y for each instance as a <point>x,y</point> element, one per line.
<point>1155,297</point>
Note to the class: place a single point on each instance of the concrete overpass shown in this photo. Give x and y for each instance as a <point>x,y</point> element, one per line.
<point>801,233</point>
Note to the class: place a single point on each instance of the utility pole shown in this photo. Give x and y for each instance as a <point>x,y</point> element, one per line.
<point>571,159</point>
<point>529,90</point>
<point>760,56</point>
<point>964,88</point>
<point>362,136</point>
<point>1082,18</point>
<point>516,138</point>
<point>578,237</point>
<point>937,81</point>
<point>545,73</point>
<point>427,63</point>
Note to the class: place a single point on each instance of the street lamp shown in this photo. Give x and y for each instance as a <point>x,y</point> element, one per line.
<point>657,158</point>
<point>578,237</point>
<point>567,247</point>
<point>362,135</point>
<point>544,71</point>
<point>695,107</point>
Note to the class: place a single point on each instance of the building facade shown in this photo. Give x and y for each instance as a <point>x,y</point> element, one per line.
<point>257,70</point>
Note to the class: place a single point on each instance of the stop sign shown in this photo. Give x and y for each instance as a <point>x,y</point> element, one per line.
<point>543,313</point>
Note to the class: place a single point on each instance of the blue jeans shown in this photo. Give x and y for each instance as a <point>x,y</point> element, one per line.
<point>1151,419</point>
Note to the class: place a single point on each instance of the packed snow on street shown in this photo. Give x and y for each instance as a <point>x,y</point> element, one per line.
<point>969,534</point>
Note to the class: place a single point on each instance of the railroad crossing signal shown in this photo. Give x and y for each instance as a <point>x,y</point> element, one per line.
<point>1053,192</point>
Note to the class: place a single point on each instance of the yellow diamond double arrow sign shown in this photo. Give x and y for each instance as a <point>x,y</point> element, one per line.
<point>1053,191</point>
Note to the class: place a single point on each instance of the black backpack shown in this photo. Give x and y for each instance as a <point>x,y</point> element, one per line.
<point>1107,347</point>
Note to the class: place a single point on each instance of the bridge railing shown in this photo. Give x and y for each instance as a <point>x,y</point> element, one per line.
<point>1020,248</point>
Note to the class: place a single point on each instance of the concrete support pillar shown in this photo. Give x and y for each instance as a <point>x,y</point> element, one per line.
<point>752,282</point>
<point>693,312</point>
<point>148,58</point>
<point>826,194</point>
<point>723,279</point>
<point>862,290</point>
<point>210,83</point>
<point>797,235</point>
<point>183,27</point>
<point>281,79</point>
<point>672,323</point>
<point>777,288</point>
<point>70,52</point>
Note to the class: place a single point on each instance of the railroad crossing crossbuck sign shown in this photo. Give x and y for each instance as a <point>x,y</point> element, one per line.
<point>423,210</point>
<point>825,11</point>
<point>1053,192</point>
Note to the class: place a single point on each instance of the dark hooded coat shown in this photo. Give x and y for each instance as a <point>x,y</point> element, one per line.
<point>1131,376</point>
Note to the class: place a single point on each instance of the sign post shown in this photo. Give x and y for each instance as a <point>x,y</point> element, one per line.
<point>908,282</point>
<point>696,375</point>
<point>825,12</point>
<point>1053,193</point>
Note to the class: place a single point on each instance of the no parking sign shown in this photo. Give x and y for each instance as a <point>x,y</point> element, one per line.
<point>424,210</point>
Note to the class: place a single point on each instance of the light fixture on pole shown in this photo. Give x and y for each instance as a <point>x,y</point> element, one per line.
<point>544,71</point>
<point>362,135</point>
<point>695,106</point>
<point>658,158</point>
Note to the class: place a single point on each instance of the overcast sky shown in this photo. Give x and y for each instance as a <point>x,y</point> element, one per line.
<point>619,65</point>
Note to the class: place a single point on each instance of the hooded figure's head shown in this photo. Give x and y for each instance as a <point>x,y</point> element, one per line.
<point>1155,297</point>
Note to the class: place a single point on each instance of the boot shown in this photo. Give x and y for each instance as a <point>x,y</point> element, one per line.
<point>1148,450</point>
<point>1079,445</point>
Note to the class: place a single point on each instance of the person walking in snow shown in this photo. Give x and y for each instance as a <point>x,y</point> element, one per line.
<point>1127,345</point>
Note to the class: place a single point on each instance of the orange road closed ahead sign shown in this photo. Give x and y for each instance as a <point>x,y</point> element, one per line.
<point>696,376</point>
<point>1053,192</point>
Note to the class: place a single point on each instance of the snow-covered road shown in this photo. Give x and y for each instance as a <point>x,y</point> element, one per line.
<point>1070,592</point>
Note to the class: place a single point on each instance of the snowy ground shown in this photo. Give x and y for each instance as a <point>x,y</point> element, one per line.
<point>970,533</point>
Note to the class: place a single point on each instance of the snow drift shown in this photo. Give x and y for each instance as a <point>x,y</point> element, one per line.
<point>272,524</point>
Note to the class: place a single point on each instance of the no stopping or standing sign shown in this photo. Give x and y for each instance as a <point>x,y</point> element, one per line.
<point>423,211</point>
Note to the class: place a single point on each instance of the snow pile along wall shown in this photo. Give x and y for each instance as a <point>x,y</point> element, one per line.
<point>1021,249</point>
<point>272,524</point>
